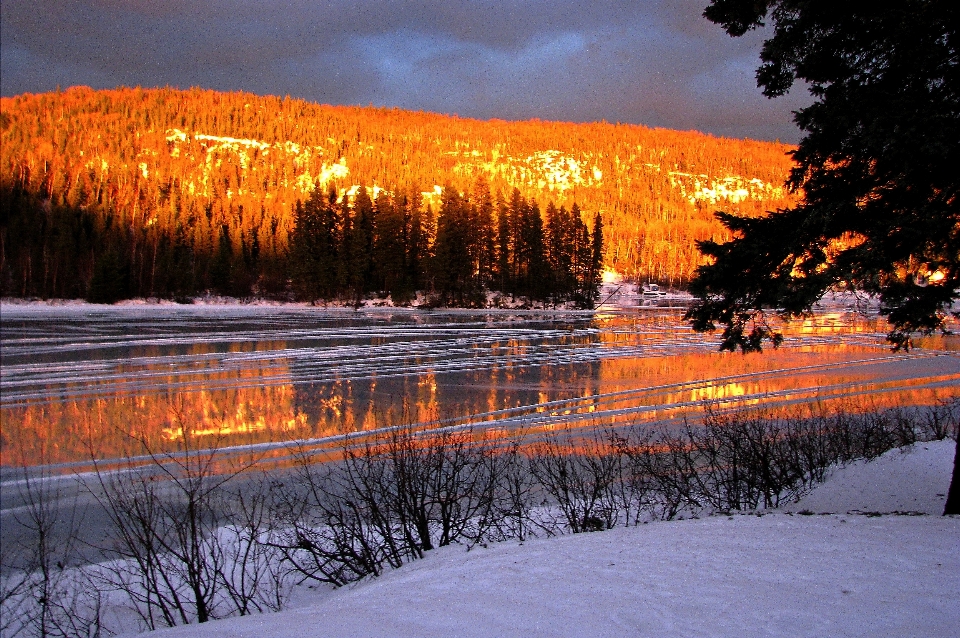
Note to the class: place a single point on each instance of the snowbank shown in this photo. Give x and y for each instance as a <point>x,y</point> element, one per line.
<point>913,479</point>
<point>780,574</point>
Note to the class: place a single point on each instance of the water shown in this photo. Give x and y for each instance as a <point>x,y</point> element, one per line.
<point>82,382</point>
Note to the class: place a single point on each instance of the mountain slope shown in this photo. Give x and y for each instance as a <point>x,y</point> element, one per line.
<point>182,167</point>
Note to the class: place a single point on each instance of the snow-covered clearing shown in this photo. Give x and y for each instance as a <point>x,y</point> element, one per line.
<point>846,573</point>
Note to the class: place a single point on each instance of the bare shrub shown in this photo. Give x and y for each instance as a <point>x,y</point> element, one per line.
<point>389,500</point>
<point>809,447</point>
<point>941,420</point>
<point>587,479</point>
<point>665,461</point>
<point>514,494</point>
<point>173,547</point>
<point>44,592</point>
<point>327,530</point>
<point>253,574</point>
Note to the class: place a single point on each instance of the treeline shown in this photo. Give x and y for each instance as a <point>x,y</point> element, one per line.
<point>135,177</point>
<point>342,247</point>
<point>196,535</point>
<point>476,243</point>
<point>91,249</point>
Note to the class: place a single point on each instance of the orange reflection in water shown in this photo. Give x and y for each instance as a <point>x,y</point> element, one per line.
<point>637,379</point>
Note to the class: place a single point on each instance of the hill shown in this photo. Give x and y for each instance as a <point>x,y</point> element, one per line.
<point>145,182</point>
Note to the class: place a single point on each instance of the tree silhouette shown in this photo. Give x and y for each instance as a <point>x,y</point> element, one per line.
<point>877,167</point>
<point>880,210</point>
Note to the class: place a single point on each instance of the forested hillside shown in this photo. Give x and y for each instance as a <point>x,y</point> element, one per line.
<point>107,194</point>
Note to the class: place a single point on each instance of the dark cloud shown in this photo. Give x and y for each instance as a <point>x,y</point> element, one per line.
<point>656,63</point>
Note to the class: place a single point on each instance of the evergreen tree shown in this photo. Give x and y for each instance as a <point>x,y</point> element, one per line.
<point>111,277</point>
<point>314,246</point>
<point>484,234</point>
<point>418,247</point>
<point>529,267</point>
<point>596,261</point>
<point>583,259</point>
<point>537,284</point>
<point>876,167</point>
<point>452,266</point>
<point>560,243</point>
<point>220,279</point>
<point>345,248</point>
<point>390,248</point>
<point>360,246</point>
<point>504,246</point>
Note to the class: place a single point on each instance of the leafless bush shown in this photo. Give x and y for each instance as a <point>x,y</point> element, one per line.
<point>589,480</point>
<point>808,445</point>
<point>387,501</point>
<point>514,494</point>
<point>328,531</point>
<point>183,547</point>
<point>941,420</point>
<point>165,557</point>
<point>253,576</point>
<point>45,593</point>
<point>742,460</point>
<point>194,537</point>
<point>663,460</point>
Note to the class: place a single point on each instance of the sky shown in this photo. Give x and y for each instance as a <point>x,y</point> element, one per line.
<point>651,62</point>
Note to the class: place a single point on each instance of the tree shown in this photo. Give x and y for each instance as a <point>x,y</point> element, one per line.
<point>390,247</point>
<point>453,267</point>
<point>358,241</point>
<point>952,505</point>
<point>880,210</point>
<point>313,246</point>
<point>110,277</point>
<point>484,232</point>
<point>596,261</point>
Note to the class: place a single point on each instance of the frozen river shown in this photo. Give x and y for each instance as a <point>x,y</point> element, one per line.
<point>80,380</point>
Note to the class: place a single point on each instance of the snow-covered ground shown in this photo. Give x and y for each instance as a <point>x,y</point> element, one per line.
<point>841,571</point>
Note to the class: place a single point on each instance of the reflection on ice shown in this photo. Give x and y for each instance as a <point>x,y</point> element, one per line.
<point>82,380</point>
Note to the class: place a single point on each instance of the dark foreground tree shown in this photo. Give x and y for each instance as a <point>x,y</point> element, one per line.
<point>876,167</point>
<point>952,506</point>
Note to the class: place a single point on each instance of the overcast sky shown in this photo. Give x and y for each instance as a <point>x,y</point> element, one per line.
<point>657,63</point>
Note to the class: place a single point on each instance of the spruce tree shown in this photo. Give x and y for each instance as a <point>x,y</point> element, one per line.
<point>596,260</point>
<point>452,266</point>
<point>390,246</point>
<point>360,242</point>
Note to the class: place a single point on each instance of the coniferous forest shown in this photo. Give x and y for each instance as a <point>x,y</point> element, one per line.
<point>165,193</point>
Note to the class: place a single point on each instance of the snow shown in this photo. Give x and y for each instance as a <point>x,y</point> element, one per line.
<point>922,479</point>
<point>776,574</point>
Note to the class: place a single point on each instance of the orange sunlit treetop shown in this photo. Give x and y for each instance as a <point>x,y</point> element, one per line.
<point>189,165</point>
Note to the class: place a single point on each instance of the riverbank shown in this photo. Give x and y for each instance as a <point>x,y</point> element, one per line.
<point>619,294</point>
<point>830,564</point>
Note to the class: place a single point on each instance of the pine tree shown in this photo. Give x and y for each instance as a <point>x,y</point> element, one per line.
<point>220,269</point>
<point>390,248</point>
<point>583,259</point>
<point>484,235</point>
<point>418,247</point>
<point>452,266</point>
<point>315,246</point>
<point>360,243</point>
<point>504,246</point>
<point>110,282</point>
<point>596,261</point>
